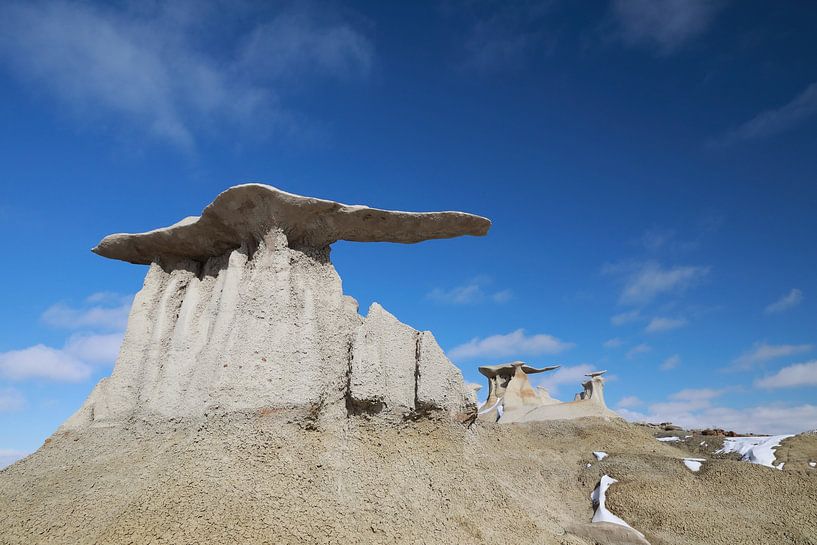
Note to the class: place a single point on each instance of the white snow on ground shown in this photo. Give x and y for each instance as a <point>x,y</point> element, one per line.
<point>758,450</point>
<point>813,464</point>
<point>694,464</point>
<point>602,514</point>
<point>600,455</point>
<point>670,439</point>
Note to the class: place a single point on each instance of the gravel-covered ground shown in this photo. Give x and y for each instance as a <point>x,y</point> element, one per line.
<point>258,478</point>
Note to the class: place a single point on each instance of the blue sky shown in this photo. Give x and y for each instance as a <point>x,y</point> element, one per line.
<point>649,167</point>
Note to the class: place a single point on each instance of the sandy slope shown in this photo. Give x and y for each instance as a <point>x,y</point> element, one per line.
<point>251,478</point>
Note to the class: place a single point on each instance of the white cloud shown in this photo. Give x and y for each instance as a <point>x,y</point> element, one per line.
<point>72,363</point>
<point>790,300</point>
<point>573,375</point>
<point>777,120</point>
<point>96,316</point>
<point>473,291</point>
<point>625,317</point>
<point>154,67</point>
<point>658,324</point>
<point>629,401</point>
<point>11,400</point>
<point>516,343</point>
<point>671,362</point>
<point>502,296</point>
<point>792,376</point>
<point>9,456</point>
<point>768,419</point>
<point>503,35</point>
<point>664,24</point>
<point>654,238</point>
<point>642,348</point>
<point>296,42</point>
<point>643,282</point>
<point>613,343</point>
<point>110,298</point>
<point>763,352</point>
<point>94,348</point>
<point>42,362</point>
<point>697,394</point>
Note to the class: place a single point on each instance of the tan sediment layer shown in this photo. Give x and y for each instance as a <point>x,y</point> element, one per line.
<point>255,478</point>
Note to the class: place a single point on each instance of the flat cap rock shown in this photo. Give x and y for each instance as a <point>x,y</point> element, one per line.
<point>247,212</point>
<point>493,370</point>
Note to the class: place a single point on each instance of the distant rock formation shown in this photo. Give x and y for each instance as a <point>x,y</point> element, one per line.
<point>511,398</point>
<point>241,309</point>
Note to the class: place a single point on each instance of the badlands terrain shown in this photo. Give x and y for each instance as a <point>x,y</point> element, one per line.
<point>261,477</point>
<point>252,403</point>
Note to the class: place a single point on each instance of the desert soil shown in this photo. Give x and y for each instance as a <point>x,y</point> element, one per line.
<point>259,478</point>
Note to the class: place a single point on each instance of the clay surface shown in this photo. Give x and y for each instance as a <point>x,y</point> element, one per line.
<point>259,478</point>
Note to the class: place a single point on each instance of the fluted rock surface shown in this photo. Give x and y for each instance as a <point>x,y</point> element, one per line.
<point>265,324</point>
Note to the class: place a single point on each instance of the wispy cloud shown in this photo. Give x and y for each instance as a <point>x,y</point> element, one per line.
<point>625,317</point>
<point>72,363</point>
<point>695,409</point>
<point>9,456</point>
<point>11,400</point>
<point>102,317</point>
<point>100,311</point>
<point>503,35</point>
<point>663,25</point>
<point>473,291</point>
<point>792,376</point>
<point>637,350</point>
<point>790,300</point>
<point>762,352</point>
<point>42,362</point>
<point>643,282</point>
<point>671,362</point>
<point>155,69</point>
<point>573,375</point>
<point>655,238</point>
<point>516,343</point>
<point>629,402</point>
<point>613,343</point>
<point>775,121</point>
<point>658,324</point>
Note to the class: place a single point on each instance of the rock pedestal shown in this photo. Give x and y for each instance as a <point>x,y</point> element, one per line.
<point>241,309</point>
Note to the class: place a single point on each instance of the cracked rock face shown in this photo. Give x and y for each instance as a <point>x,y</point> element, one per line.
<point>264,325</point>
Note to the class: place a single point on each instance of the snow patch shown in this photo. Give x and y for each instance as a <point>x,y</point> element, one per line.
<point>757,450</point>
<point>602,514</point>
<point>670,439</point>
<point>813,464</point>
<point>599,455</point>
<point>694,464</point>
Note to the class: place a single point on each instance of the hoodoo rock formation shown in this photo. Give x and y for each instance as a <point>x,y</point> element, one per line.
<point>511,398</point>
<point>241,309</point>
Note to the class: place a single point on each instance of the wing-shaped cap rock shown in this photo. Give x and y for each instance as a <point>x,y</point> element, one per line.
<point>493,370</point>
<point>246,212</point>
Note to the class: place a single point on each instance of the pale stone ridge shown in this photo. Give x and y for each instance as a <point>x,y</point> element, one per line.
<point>243,214</point>
<point>384,363</point>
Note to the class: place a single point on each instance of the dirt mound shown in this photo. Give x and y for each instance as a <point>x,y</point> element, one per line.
<point>253,479</point>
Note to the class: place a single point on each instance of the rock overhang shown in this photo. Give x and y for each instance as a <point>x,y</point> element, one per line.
<point>245,213</point>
